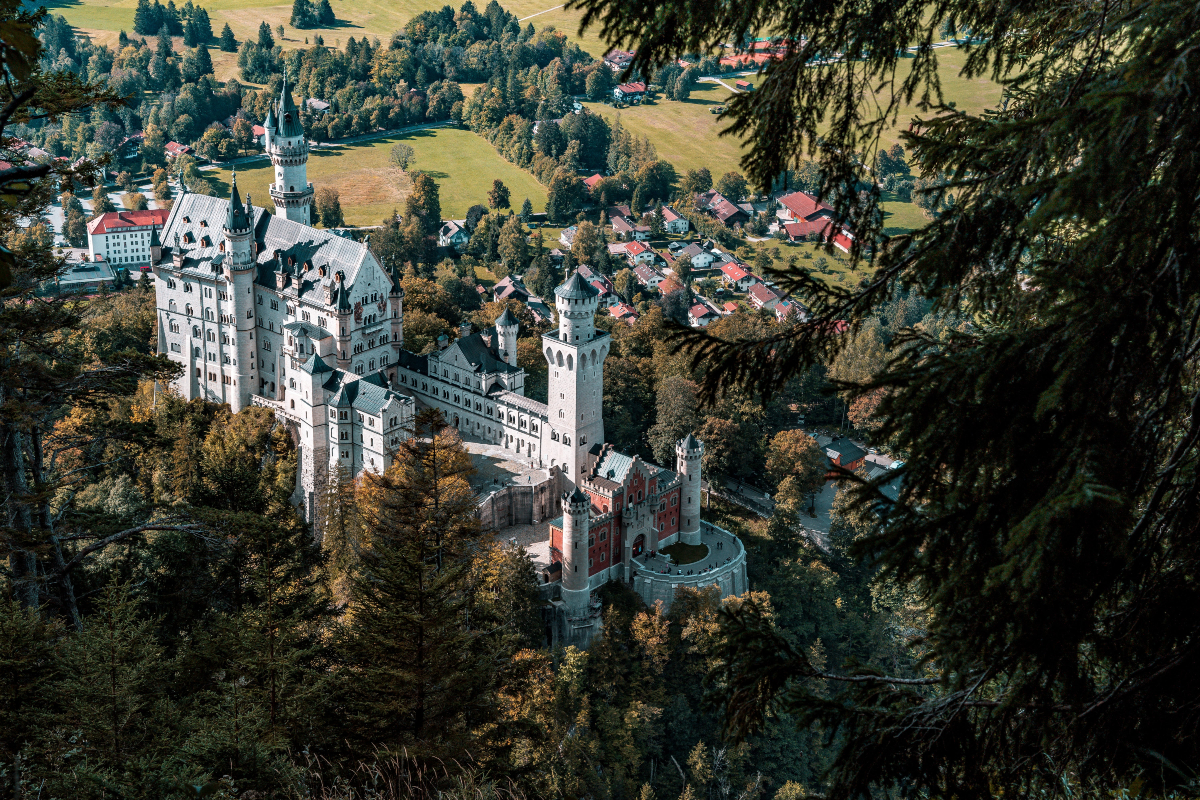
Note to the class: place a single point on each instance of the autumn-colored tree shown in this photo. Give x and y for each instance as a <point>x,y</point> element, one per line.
<point>795,454</point>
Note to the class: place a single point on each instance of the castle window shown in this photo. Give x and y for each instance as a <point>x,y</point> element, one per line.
<point>674,499</point>
<point>212,337</point>
<point>603,556</point>
<point>589,562</point>
<point>383,360</point>
<point>372,364</point>
<point>174,326</point>
<point>604,533</point>
<point>554,436</point>
<point>583,440</point>
<point>196,352</point>
<point>188,309</point>
<point>171,305</point>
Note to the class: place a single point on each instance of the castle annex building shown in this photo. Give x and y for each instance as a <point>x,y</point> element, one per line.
<point>262,309</point>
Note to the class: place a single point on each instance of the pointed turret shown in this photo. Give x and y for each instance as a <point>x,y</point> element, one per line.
<point>289,115</point>
<point>237,219</point>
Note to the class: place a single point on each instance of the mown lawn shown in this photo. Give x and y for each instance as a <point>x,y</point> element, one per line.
<point>687,133</point>
<point>379,18</point>
<point>463,164</point>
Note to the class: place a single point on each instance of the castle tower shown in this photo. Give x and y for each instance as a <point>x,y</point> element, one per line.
<point>288,148</point>
<point>238,268</point>
<point>396,309</point>
<point>576,354</point>
<point>575,592</point>
<point>687,463</point>
<point>506,329</point>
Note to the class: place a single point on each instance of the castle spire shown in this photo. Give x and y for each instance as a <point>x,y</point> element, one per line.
<point>236,219</point>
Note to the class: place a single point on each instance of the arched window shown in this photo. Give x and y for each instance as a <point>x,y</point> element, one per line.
<point>188,309</point>
<point>196,331</point>
<point>212,337</point>
<point>570,361</point>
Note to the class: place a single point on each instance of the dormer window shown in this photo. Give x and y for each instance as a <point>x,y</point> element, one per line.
<point>203,223</point>
<point>205,241</point>
<point>188,238</point>
<point>187,219</point>
<point>221,246</point>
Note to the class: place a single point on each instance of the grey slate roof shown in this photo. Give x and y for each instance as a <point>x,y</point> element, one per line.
<point>521,401</point>
<point>615,466</point>
<point>301,243</point>
<point>315,365</point>
<point>506,318</point>
<point>368,393</point>
<point>482,356</point>
<point>576,288</point>
<point>690,442</point>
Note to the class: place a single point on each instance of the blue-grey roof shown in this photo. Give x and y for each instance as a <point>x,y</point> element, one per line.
<point>557,522</point>
<point>506,318</point>
<point>615,466</point>
<point>576,288</point>
<point>368,393</point>
<point>690,443</point>
<point>315,365</point>
<point>297,241</point>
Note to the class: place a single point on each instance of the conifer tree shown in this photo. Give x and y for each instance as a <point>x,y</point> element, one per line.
<point>325,15</point>
<point>420,681</point>
<point>145,21</point>
<point>265,40</point>
<point>228,43</point>
<point>112,674</point>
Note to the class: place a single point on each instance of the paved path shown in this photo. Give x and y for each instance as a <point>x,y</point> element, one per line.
<point>723,83</point>
<point>538,14</point>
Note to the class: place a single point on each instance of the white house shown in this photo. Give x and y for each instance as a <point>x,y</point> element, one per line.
<point>125,237</point>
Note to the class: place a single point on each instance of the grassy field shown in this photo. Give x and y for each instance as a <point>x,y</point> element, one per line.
<point>463,164</point>
<point>688,134</point>
<point>102,19</point>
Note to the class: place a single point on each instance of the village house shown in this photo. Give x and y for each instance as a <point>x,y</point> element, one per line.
<point>126,237</point>
<point>673,221</point>
<point>624,312</point>
<point>743,85</point>
<point>510,288</point>
<point>700,315</point>
<point>737,277</point>
<point>619,60</point>
<point>670,286</point>
<point>567,237</point>
<point>453,233</point>
<point>762,297</point>
<point>787,309</point>
<point>175,149</point>
<point>845,454</point>
<point>629,92</point>
<point>721,208</point>
<point>701,258</point>
<point>730,307</point>
<point>804,217</point>
<point>648,276</point>
<point>639,253</point>
<point>591,182</point>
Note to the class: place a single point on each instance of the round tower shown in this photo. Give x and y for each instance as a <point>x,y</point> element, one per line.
<point>576,301</point>
<point>238,270</point>
<point>506,328</point>
<point>575,592</point>
<point>287,146</point>
<point>687,463</point>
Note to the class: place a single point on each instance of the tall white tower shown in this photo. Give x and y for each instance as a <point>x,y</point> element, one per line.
<point>576,354</point>
<point>288,148</point>
<point>687,463</point>
<point>575,592</point>
<point>506,328</point>
<point>238,269</point>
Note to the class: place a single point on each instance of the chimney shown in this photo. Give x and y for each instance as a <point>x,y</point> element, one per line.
<point>443,341</point>
<point>464,330</point>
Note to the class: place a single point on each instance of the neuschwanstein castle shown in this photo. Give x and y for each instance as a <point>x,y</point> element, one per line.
<point>263,309</point>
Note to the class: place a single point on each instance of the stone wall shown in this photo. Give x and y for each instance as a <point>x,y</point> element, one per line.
<point>522,505</point>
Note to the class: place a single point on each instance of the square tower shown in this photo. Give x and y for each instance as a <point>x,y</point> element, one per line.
<point>575,355</point>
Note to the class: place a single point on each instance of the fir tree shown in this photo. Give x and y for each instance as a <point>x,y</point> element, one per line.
<point>302,15</point>
<point>265,40</point>
<point>526,210</point>
<point>420,677</point>
<point>145,21</point>
<point>228,43</point>
<point>325,15</point>
<point>163,47</point>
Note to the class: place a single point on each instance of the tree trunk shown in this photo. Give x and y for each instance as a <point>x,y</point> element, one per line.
<point>21,562</point>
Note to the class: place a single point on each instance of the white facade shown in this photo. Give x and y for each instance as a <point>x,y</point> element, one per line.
<point>125,238</point>
<point>287,146</point>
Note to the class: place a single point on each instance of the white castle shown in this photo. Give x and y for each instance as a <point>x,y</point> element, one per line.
<point>263,309</point>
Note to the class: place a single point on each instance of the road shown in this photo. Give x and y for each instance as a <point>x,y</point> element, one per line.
<point>538,14</point>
